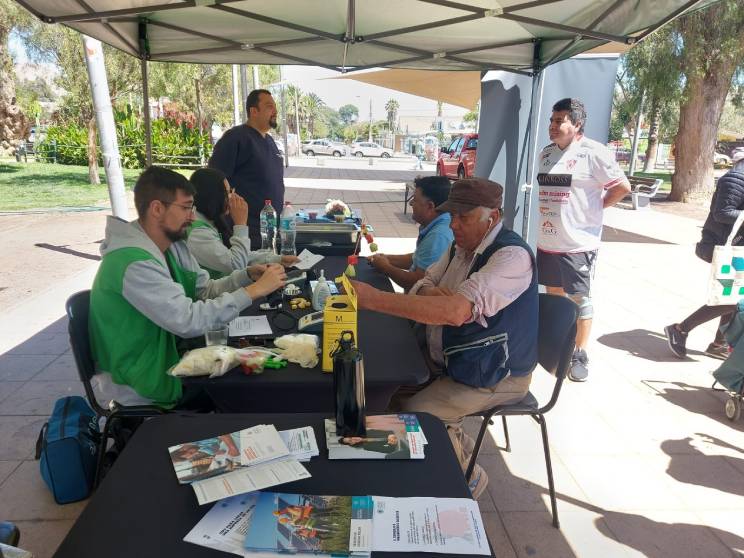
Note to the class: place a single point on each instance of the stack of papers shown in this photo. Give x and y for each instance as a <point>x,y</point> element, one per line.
<point>388,437</point>
<point>244,461</point>
<point>267,525</point>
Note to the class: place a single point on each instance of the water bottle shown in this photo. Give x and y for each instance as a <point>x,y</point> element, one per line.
<point>288,230</point>
<point>321,292</point>
<point>348,384</point>
<point>268,227</point>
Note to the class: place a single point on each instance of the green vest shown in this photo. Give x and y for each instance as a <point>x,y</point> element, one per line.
<point>133,349</point>
<point>213,273</point>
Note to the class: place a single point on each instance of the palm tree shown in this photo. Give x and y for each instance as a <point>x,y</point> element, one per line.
<point>313,106</point>
<point>294,107</point>
<point>392,107</point>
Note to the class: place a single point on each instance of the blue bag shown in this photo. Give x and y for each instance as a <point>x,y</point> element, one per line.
<point>68,447</point>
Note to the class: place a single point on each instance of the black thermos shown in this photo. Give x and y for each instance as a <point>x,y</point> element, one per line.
<point>348,384</point>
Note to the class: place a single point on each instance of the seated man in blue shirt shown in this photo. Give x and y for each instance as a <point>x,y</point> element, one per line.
<point>434,239</point>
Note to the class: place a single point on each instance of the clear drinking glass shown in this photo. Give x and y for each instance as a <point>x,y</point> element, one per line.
<point>216,336</point>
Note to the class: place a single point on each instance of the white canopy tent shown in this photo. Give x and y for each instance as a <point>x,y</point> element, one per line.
<point>517,36</point>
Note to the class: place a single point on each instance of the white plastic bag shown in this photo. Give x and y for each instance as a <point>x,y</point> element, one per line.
<point>726,280</point>
<point>301,348</point>
<point>213,361</point>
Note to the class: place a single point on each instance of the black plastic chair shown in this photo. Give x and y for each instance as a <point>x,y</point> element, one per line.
<point>555,347</point>
<point>78,306</point>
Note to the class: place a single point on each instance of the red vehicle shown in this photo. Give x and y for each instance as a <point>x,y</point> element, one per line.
<point>458,160</point>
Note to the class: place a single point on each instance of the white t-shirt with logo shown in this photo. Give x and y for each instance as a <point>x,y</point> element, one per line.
<point>572,183</point>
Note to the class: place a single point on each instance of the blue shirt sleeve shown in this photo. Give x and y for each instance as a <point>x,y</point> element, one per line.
<point>431,247</point>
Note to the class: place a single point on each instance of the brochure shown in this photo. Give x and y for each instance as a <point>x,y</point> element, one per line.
<point>300,442</point>
<point>443,525</point>
<point>261,443</point>
<point>338,525</point>
<point>387,437</point>
<point>206,458</point>
<point>248,479</point>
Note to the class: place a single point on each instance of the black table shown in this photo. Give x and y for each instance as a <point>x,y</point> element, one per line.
<point>141,510</point>
<point>388,344</point>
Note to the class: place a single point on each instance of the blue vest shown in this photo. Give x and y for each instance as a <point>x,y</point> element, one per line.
<point>483,356</point>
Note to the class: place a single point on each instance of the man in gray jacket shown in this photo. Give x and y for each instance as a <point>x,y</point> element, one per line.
<point>149,290</point>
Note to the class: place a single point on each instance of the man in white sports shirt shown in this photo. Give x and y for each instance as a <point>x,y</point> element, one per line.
<point>578,178</point>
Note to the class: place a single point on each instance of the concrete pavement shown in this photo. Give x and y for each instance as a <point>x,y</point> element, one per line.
<point>645,462</point>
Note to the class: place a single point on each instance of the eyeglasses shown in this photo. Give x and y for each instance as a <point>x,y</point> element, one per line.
<point>190,208</point>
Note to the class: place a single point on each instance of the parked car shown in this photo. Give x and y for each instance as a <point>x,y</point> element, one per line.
<point>370,149</point>
<point>458,160</point>
<point>324,147</point>
<point>721,160</point>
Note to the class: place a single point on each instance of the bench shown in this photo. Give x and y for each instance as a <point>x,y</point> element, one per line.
<point>642,190</point>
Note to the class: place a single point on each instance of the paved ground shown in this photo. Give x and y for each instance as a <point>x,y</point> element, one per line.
<point>646,464</point>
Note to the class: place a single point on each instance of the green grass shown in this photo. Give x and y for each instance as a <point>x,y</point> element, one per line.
<point>665,175</point>
<point>45,185</point>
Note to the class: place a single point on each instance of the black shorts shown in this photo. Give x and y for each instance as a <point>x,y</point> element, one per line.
<point>573,272</point>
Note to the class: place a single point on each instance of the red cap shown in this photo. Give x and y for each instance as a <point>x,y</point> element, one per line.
<point>352,260</point>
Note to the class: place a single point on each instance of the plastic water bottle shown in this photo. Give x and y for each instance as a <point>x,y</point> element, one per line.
<point>288,230</point>
<point>321,292</point>
<point>268,227</point>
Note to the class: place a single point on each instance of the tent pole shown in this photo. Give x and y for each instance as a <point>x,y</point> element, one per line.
<point>144,48</point>
<point>284,119</point>
<point>536,100</point>
<point>106,129</point>
<point>146,112</point>
<point>236,95</point>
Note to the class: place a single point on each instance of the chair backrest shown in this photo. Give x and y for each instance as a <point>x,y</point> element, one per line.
<point>556,338</point>
<point>77,307</point>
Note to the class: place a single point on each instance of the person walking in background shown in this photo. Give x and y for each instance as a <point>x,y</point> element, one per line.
<point>578,179</point>
<point>219,244</point>
<point>251,160</point>
<point>725,206</point>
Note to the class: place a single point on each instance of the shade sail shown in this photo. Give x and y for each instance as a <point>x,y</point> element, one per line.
<point>475,35</point>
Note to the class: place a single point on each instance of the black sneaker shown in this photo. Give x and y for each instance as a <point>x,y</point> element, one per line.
<point>676,339</point>
<point>718,350</point>
<point>579,370</point>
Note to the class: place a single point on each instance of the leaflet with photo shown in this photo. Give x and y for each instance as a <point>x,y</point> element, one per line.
<point>442,525</point>
<point>304,523</point>
<point>387,437</point>
<point>206,458</point>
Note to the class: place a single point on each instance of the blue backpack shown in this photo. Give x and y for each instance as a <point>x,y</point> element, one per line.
<point>68,447</point>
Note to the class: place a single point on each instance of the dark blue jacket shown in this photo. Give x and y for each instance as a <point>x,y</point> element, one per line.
<point>725,205</point>
<point>483,356</point>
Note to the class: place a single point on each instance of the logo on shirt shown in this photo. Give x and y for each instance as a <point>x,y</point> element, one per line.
<point>558,180</point>
<point>549,229</point>
<point>570,164</point>
<point>546,212</point>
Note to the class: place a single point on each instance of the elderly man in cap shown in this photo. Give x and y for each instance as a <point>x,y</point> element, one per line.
<point>479,303</point>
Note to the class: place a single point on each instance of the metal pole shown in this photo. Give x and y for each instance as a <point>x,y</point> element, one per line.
<point>106,129</point>
<point>236,96</point>
<point>532,150</point>
<point>146,111</point>
<point>256,79</point>
<point>244,90</point>
<point>636,135</point>
<point>284,119</point>
<point>369,139</point>
<point>297,119</point>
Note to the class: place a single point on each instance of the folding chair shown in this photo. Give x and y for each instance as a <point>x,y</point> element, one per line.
<point>555,346</point>
<point>78,306</point>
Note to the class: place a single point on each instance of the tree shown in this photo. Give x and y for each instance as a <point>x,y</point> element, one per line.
<point>392,107</point>
<point>14,125</point>
<point>349,114</point>
<point>712,52</point>
<point>313,106</point>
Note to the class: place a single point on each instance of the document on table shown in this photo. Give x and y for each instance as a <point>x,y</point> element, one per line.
<point>248,479</point>
<point>442,525</point>
<point>301,442</point>
<point>261,443</point>
<point>307,259</point>
<point>249,325</point>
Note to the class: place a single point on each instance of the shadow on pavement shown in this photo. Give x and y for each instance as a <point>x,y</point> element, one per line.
<point>643,343</point>
<point>611,234</point>
<point>66,250</point>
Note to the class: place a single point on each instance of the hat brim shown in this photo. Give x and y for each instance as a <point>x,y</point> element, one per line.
<point>453,206</point>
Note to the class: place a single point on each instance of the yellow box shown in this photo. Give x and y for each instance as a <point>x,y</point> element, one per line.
<point>339,314</point>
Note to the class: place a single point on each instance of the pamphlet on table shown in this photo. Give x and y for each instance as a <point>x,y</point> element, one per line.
<point>388,437</point>
<point>243,461</point>
<point>307,259</point>
<point>268,525</point>
<point>244,326</point>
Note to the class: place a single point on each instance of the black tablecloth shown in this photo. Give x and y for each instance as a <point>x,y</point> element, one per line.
<point>391,359</point>
<point>141,510</point>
